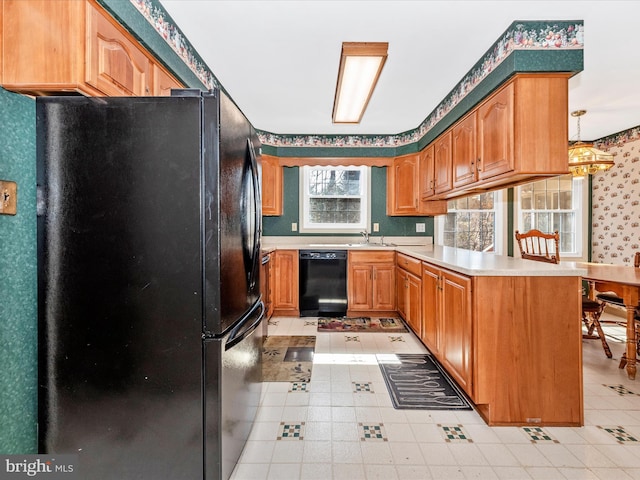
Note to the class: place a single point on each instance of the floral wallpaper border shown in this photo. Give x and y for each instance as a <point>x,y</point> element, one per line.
<point>155,14</point>
<point>521,35</point>
<point>540,35</point>
<point>619,139</point>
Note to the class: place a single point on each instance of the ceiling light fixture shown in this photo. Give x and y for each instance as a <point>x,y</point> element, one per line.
<point>584,158</point>
<point>360,67</point>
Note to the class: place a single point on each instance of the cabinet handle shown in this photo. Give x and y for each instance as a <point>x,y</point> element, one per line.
<point>478,165</point>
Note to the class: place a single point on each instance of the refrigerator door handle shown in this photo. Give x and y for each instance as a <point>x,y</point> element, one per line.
<point>252,224</point>
<point>241,332</point>
<point>257,212</point>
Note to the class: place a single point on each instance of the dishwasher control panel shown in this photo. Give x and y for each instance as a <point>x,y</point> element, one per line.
<point>323,254</point>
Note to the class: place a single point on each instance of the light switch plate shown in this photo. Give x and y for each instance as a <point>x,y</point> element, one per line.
<point>294,227</point>
<point>420,227</point>
<point>376,227</point>
<point>8,197</point>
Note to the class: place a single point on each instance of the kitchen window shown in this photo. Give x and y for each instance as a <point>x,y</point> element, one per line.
<point>554,204</point>
<point>470,223</point>
<point>334,199</point>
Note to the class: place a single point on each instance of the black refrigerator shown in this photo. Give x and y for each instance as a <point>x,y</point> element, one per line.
<point>149,308</point>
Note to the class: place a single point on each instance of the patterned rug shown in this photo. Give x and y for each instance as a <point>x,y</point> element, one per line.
<point>361,324</point>
<point>288,359</point>
<point>417,381</point>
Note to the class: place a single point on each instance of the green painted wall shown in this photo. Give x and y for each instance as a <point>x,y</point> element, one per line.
<point>18,267</point>
<point>390,226</point>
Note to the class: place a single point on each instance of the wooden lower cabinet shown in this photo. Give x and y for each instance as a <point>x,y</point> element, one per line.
<point>446,328</point>
<point>285,283</point>
<point>527,350</point>
<point>514,351</point>
<point>431,329</point>
<point>456,324</point>
<point>409,298</point>
<point>371,282</point>
<point>266,279</point>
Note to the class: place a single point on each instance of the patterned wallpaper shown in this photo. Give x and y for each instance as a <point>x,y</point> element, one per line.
<point>616,201</point>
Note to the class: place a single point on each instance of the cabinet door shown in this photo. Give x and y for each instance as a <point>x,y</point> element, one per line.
<point>413,308</point>
<point>163,82</point>
<point>114,64</point>
<point>360,296</point>
<point>427,172</point>
<point>456,327</point>
<point>403,186</point>
<point>442,158</point>
<point>271,186</point>
<point>431,308</point>
<point>285,288</point>
<point>464,151</point>
<point>496,134</point>
<point>384,292</point>
<point>401,292</point>
<point>43,45</point>
<point>265,278</point>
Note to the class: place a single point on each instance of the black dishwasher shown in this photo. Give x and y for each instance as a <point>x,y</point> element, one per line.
<point>323,283</point>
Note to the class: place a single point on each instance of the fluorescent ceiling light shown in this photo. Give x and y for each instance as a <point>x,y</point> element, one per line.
<point>360,67</point>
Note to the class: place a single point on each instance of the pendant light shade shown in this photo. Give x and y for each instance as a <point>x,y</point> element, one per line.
<point>584,158</point>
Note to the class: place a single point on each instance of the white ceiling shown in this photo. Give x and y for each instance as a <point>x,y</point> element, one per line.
<point>279,59</point>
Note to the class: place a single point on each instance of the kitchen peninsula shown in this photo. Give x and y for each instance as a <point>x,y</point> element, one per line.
<point>507,330</point>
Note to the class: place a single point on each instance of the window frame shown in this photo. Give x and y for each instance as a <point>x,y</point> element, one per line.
<point>500,218</point>
<point>580,203</point>
<point>305,226</point>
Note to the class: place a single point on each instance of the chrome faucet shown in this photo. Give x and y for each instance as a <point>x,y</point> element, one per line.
<point>365,234</point>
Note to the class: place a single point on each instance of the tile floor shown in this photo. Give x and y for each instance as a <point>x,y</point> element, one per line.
<point>342,425</point>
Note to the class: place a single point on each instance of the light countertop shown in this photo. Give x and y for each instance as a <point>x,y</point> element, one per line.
<point>459,260</point>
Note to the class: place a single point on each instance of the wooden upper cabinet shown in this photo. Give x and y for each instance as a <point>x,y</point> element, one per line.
<point>464,151</point>
<point>115,65</point>
<point>427,172</point>
<point>540,123</point>
<point>63,46</point>
<point>272,185</point>
<point>163,82</point>
<point>518,134</point>
<point>443,159</point>
<point>47,51</point>
<point>495,134</point>
<point>403,185</point>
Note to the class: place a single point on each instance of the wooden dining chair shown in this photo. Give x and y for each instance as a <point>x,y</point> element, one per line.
<point>539,246</point>
<point>545,247</point>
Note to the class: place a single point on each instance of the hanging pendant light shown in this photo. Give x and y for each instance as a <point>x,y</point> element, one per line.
<point>584,158</point>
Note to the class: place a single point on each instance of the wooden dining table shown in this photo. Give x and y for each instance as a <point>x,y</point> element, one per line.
<point>625,282</point>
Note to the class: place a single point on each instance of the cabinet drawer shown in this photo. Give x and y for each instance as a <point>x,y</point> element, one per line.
<point>372,256</point>
<point>410,264</point>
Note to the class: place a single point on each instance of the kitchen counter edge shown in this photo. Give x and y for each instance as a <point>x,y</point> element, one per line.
<point>460,260</point>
